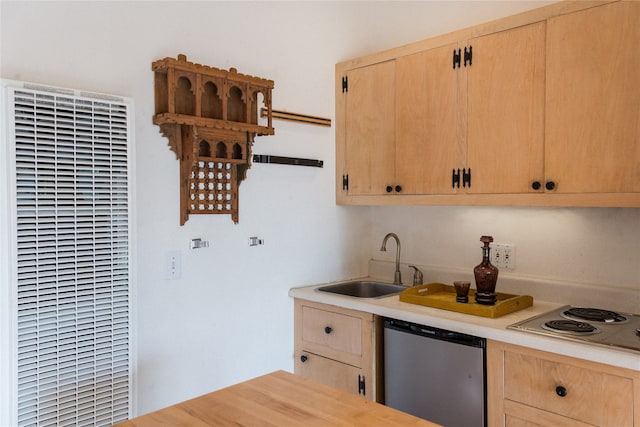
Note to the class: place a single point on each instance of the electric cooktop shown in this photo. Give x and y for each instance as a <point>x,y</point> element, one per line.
<point>585,324</point>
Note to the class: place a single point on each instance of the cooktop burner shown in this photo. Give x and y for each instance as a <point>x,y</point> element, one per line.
<point>568,326</point>
<point>585,324</point>
<point>594,315</point>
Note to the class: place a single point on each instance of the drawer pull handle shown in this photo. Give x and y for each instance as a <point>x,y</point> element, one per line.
<point>327,329</point>
<point>561,391</point>
<point>303,358</point>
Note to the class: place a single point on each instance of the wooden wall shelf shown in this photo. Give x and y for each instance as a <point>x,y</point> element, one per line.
<point>210,117</point>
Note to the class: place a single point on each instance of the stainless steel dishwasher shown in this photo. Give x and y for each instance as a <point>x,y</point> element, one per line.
<point>435,374</point>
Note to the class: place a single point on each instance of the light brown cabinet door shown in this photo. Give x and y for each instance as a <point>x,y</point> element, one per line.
<point>429,140</point>
<point>370,129</point>
<point>505,110</point>
<point>330,372</point>
<point>593,100</point>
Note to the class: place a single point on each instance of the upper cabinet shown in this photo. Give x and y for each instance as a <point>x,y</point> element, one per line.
<point>593,100</point>
<point>505,110</point>
<point>429,140</point>
<point>527,110</point>
<point>369,123</point>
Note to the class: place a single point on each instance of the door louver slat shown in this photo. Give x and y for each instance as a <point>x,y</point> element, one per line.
<point>72,258</point>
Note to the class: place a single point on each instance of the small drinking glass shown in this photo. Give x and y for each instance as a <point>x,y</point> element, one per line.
<point>462,291</point>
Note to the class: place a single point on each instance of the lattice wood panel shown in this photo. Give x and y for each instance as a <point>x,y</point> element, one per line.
<point>212,189</point>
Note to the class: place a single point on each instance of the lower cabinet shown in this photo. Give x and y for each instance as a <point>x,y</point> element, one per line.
<point>525,387</point>
<point>336,347</point>
<point>530,388</point>
<point>331,372</point>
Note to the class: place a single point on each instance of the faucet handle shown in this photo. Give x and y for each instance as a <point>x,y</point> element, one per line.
<point>417,276</point>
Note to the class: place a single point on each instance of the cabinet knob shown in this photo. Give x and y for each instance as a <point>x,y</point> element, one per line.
<point>389,189</point>
<point>303,358</point>
<point>561,391</point>
<point>327,329</point>
<point>398,189</point>
<point>536,185</point>
<point>550,185</point>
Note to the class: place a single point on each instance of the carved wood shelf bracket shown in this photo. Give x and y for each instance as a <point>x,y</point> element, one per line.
<point>210,117</point>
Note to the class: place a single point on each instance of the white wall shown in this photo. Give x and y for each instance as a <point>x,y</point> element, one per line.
<point>229,317</point>
<point>582,246</point>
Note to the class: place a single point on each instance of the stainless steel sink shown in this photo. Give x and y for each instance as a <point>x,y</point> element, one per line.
<point>363,289</point>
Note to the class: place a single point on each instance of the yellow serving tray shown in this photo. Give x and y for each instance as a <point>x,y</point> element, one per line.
<point>443,296</point>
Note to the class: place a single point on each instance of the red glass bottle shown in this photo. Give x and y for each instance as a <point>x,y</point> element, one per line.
<point>486,275</point>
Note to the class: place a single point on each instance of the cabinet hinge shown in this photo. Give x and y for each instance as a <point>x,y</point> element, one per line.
<point>345,84</point>
<point>455,178</point>
<point>456,58</point>
<point>345,182</point>
<point>468,55</point>
<point>466,178</point>
<point>361,385</point>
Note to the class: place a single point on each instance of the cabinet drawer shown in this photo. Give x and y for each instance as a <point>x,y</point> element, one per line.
<point>335,331</point>
<point>519,415</point>
<point>587,395</point>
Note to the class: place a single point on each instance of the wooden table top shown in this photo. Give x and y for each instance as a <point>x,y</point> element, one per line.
<point>277,399</point>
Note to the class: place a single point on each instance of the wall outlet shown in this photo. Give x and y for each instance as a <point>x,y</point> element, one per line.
<point>503,256</point>
<point>173,265</point>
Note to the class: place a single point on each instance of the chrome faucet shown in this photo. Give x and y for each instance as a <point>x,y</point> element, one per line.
<point>397,279</point>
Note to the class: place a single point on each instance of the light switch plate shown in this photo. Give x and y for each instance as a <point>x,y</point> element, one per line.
<point>173,265</point>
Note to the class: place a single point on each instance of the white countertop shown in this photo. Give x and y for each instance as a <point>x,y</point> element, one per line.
<point>494,329</point>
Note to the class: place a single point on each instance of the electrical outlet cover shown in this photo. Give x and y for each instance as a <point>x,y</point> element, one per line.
<point>503,256</point>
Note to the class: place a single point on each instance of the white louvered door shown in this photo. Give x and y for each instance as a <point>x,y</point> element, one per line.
<point>72,257</point>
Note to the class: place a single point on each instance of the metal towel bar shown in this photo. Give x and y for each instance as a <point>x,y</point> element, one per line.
<point>266,158</point>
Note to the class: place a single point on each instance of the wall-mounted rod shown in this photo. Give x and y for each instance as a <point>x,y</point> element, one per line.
<point>265,158</point>
<point>295,117</point>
